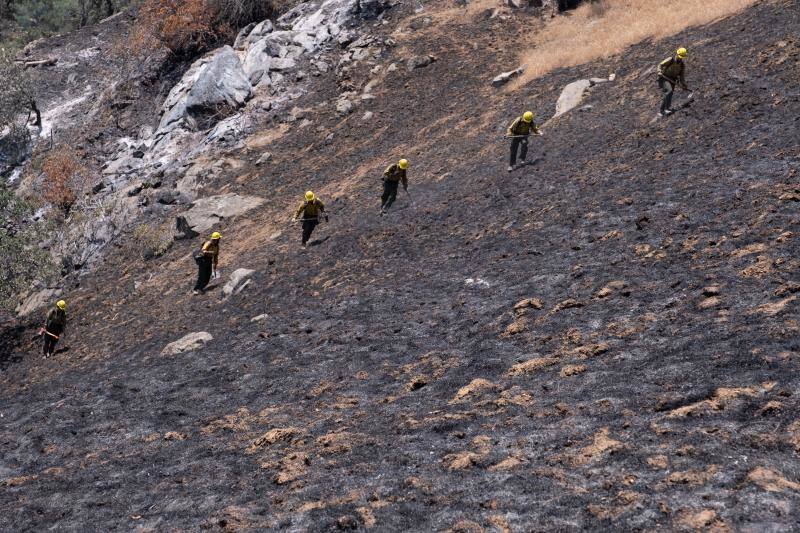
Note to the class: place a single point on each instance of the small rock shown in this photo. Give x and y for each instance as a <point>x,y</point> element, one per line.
<point>367,116</point>
<point>188,343</point>
<point>344,106</point>
<point>241,39</point>
<point>99,187</point>
<point>238,281</point>
<point>259,318</point>
<point>505,77</point>
<point>420,62</point>
<point>166,197</point>
<point>391,68</point>
<point>266,156</point>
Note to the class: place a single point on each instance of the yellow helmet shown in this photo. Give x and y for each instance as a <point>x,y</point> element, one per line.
<point>403,163</point>
<point>216,235</point>
<point>682,53</point>
<point>61,304</point>
<point>310,196</point>
<point>527,116</point>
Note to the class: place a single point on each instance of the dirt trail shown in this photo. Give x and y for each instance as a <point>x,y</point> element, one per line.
<point>604,340</point>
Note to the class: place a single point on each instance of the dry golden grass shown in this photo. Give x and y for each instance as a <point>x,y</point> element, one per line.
<point>603,29</point>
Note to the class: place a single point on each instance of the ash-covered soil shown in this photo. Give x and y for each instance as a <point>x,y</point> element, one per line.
<point>605,339</point>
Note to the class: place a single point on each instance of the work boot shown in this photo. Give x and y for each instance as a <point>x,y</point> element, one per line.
<point>510,168</point>
<point>195,292</point>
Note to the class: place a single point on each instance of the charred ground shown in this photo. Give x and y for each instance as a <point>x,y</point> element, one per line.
<point>605,339</point>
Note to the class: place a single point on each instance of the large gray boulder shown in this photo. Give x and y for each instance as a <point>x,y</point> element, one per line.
<point>188,343</point>
<point>571,96</point>
<point>207,213</point>
<point>215,84</point>
<point>574,93</point>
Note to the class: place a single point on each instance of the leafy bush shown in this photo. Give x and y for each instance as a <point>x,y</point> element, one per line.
<point>191,26</point>
<point>26,20</point>
<point>64,178</point>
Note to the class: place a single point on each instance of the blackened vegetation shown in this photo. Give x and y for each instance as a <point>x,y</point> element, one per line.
<point>506,351</point>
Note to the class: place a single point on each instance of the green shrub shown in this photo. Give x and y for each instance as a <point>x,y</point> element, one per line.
<point>151,241</point>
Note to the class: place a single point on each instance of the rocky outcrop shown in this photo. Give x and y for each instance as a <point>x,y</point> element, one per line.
<point>221,99</point>
<point>214,86</point>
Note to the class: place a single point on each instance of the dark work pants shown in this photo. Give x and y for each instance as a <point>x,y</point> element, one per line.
<point>389,193</point>
<point>203,273</point>
<point>667,89</point>
<point>308,228</point>
<point>516,142</point>
<point>50,342</point>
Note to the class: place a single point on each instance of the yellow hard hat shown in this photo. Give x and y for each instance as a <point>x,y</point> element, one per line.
<point>403,163</point>
<point>528,116</point>
<point>61,304</point>
<point>310,196</point>
<point>216,235</point>
<point>682,53</point>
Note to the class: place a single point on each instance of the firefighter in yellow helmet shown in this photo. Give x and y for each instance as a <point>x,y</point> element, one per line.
<point>54,327</point>
<point>671,72</point>
<point>518,132</point>
<point>206,259</point>
<point>392,177</point>
<point>310,211</point>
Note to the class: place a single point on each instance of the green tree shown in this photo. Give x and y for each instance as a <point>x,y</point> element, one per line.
<point>22,261</point>
<point>17,109</point>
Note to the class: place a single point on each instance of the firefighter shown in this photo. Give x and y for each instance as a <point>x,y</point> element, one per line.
<point>671,72</point>
<point>310,212</point>
<point>392,177</point>
<point>518,132</point>
<point>206,260</point>
<point>54,327</point>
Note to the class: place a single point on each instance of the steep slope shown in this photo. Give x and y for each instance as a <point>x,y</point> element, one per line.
<point>605,339</point>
